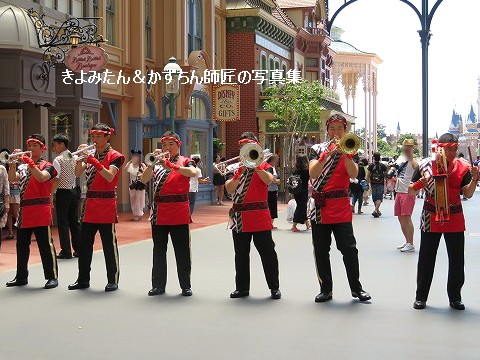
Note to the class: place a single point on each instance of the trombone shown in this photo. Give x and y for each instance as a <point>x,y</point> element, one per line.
<point>151,158</point>
<point>251,156</point>
<point>81,153</point>
<point>5,157</point>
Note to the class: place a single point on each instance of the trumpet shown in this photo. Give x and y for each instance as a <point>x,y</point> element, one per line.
<point>348,144</point>
<point>152,158</point>
<point>251,156</point>
<point>5,157</point>
<point>81,153</point>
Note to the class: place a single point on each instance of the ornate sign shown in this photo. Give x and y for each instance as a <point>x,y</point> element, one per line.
<point>86,58</point>
<point>226,103</point>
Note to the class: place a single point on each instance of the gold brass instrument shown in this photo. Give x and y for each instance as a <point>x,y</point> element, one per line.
<point>251,156</point>
<point>80,154</point>
<point>5,157</point>
<point>151,158</point>
<point>348,144</point>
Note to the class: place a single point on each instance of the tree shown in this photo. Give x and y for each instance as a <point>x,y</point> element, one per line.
<point>381,132</point>
<point>295,107</point>
<point>384,148</point>
<point>416,151</point>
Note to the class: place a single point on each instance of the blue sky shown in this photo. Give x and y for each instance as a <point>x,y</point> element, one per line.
<point>389,29</point>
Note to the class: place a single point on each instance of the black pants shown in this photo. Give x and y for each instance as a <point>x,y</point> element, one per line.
<point>45,246</point>
<point>272,204</point>
<point>300,214</point>
<point>110,251</point>
<point>265,245</point>
<point>346,244</point>
<point>180,235</point>
<point>192,196</point>
<point>455,243</point>
<point>66,205</point>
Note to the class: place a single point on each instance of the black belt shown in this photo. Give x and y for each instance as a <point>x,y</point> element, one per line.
<point>35,201</point>
<point>173,198</point>
<point>97,194</point>
<point>321,197</point>
<point>259,205</point>
<point>454,209</point>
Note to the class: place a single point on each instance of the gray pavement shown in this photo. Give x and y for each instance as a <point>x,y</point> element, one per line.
<point>92,324</point>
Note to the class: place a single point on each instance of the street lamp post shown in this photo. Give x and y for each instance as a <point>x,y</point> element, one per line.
<point>172,73</point>
<point>425,16</point>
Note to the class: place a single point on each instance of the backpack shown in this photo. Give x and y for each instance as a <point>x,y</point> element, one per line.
<point>377,175</point>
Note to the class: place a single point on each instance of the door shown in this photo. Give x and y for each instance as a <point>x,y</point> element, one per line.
<point>11,129</point>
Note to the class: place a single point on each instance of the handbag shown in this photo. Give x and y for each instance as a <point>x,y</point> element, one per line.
<point>137,185</point>
<point>294,184</point>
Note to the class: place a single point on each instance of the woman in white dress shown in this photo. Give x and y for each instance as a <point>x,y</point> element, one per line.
<point>136,189</point>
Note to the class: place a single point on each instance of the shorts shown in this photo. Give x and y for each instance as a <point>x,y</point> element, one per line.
<point>404,204</point>
<point>377,192</point>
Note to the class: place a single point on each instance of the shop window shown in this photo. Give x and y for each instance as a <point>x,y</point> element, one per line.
<point>197,144</point>
<point>87,121</point>
<point>198,109</point>
<point>96,12</point>
<point>61,123</point>
<point>71,7</point>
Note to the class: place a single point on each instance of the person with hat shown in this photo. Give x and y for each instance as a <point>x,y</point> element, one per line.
<point>170,212</point>
<point>35,214</point>
<point>99,210</point>
<point>250,219</point>
<point>405,166</point>
<point>330,173</point>
<point>136,189</point>
<point>453,175</point>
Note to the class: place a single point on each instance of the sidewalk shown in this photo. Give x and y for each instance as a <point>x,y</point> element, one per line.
<point>128,231</point>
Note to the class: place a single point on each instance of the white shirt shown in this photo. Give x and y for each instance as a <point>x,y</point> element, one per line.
<point>404,176</point>
<point>194,180</point>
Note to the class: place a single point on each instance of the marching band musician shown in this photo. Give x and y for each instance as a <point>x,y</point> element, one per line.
<point>250,218</point>
<point>35,215</point>
<point>170,212</point>
<point>99,210</point>
<point>330,172</point>
<point>460,176</point>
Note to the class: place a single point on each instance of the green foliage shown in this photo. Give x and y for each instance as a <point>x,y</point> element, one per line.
<point>381,132</point>
<point>218,146</point>
<point>384,148</point>
<point>295,105</point>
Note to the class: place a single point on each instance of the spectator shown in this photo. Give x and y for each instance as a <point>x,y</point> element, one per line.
<point>301,197</point>
<point>366,193</point>
<point>377,172</point>
<point>406,166</point>
<point>273,188</point>
<point>4,199</point>
<point>218,181</point>
<point>356,187</point>
<point>135,167</point>
<point>194,181</point>
<point>12,213</point>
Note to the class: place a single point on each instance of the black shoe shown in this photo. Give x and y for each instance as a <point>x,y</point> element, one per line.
<point>457,305</point>
<point>276,294</point>
<point>156,291</point>
<point>51,283</point>
<point>323,297</point>
<point>187,292</point>
<point>239,294</point>
<point>111,287</point>
<point>75,254</point>
<point>361,295</point>
<point>64,255</point>
<point>17,282</point>
<point>420,305</point>
<point>79,285</point>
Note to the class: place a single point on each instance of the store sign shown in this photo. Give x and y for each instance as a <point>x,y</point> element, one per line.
<point>226,103</point>
<point>86,58</point>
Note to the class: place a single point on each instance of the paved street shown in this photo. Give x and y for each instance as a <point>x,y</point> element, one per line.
<point>92,324</point>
